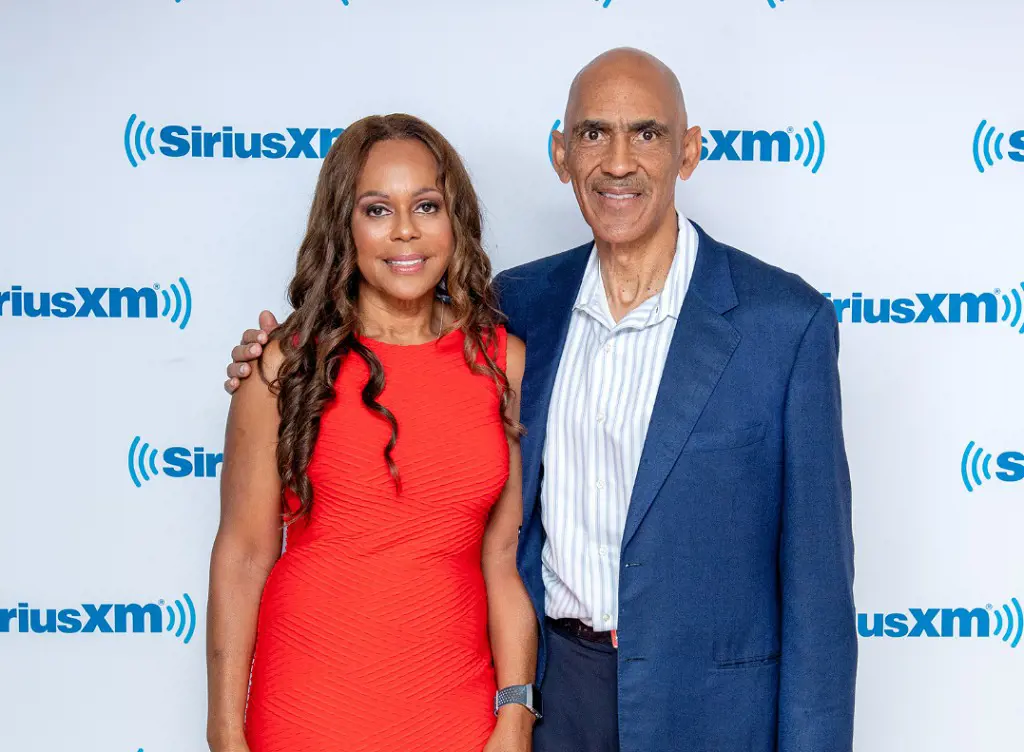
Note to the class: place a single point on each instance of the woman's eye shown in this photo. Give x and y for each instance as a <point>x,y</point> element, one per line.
<point>376,210</point>
<point>428,207</point>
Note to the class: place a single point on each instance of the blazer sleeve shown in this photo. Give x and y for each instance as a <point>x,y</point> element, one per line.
<point>819,639</point>
<point>505,289</point>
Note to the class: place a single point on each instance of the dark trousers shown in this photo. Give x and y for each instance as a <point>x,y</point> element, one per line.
<point>580,692</point>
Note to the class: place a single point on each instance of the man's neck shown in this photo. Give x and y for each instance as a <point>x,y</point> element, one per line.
<point>635,273</point>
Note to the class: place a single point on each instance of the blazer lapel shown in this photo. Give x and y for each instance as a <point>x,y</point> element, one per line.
<point>701,347</point>
<point>545,340</point>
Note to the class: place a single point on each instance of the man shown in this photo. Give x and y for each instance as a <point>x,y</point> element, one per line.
<point>686,511</point>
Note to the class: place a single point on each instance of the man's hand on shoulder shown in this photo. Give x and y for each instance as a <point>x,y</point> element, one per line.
<point>250,348</point>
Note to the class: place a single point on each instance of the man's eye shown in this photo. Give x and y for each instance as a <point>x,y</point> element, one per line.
<point>648,135</point>
<point>592,135</point>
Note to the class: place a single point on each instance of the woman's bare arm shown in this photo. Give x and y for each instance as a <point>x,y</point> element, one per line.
<point>247,545</point>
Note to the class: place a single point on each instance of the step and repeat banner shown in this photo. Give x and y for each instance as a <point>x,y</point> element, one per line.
<point>158,161</point>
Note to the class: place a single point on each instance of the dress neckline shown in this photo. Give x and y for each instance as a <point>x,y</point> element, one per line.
<point>370,341</point>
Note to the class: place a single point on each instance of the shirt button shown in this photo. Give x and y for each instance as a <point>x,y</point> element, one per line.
<point>600,417</point>
<point>608,347</point>
<point>603,551</point>
<point>606,618</point>
<point>600,485</point>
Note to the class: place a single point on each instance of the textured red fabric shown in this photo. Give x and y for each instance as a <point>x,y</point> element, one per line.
<point>373,624</point>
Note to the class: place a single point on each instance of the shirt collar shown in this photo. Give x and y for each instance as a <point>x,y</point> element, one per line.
<point>592,299</point>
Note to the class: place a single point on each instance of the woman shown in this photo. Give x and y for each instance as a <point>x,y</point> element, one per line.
<point>387,421</point>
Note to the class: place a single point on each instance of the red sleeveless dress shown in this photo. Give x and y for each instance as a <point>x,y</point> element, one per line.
<point>372,631</point>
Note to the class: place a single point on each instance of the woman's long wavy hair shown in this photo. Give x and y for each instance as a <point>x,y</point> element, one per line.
<point>321,332</point>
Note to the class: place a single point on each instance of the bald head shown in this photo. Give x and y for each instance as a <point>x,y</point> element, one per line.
<point>626,64</point>
<point>624,144</point>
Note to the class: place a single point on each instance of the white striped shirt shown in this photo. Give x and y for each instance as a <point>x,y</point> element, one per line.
<point>600,409</point>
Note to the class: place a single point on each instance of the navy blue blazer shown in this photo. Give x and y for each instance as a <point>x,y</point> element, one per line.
<point>737,628</point>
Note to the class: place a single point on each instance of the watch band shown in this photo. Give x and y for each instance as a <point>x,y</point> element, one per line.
<point>527,695</point>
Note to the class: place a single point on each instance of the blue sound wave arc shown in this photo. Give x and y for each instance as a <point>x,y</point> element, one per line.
<point>974,467</point>
<point>988,151</point>
<point>799,146</point>
<point>1020,623</point>
<point>810,147</point>
<point>192,619</point>
<point>177,304</point>
<point>1019,310</point>
<point>985,148</point>
<point>131,462</point>
<point>977,150</point>
<point>152,462</point>
<point>821,147</point>
<point>984,469</point>
<point>133,133</point>
<point>181,622</point>
<point>127,138</point>
<point>188,302</point>
<point>1008,634</point>
<point>963,466</point>
<point>141,461</point>
<point>551,141</point>
<point>999,622</point>
<point>138,140</point>
<point>181,311</point>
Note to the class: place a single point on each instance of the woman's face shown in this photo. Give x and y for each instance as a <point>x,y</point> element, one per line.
<point>400,223</point>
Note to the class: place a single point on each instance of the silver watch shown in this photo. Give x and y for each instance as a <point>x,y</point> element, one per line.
<point>527,695</point>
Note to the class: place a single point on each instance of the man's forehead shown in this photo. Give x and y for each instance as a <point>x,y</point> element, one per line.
<point>621,97</point>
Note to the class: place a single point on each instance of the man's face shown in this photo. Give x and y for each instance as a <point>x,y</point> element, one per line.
<point>624,145</point>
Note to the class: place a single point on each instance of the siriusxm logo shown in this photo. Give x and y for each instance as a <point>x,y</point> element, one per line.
<point>986,147</point>
<point>226,143</point>
<point>938,308</point>
<point>806,147</point>
<point>102,303</point>
<point>790,145</point>
<point>948,622</point>
<point>975,465</point>
<point>115,618</point>
<point>176,462</point>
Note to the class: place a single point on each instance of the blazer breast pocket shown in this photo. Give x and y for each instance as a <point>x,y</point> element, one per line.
<point>732,438</point>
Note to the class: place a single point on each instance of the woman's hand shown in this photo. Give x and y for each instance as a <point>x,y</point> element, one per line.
<point>514,731</point>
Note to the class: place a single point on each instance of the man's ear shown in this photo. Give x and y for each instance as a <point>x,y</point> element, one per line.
<point>692,146</point>
<point>558,155</point>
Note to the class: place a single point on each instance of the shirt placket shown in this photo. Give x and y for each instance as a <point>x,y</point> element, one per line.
<point>602,479</point>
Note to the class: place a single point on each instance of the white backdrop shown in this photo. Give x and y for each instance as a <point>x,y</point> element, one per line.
<point>901,205</point>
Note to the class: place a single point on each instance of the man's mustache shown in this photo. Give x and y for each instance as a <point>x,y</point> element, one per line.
<point>621,186</point>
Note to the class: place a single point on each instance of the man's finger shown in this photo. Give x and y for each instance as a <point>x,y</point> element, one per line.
<point>231,385</point>
<point>242,353</point>
<point>253,336</point>
<point>268,322</point>
<point>239,370</point>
